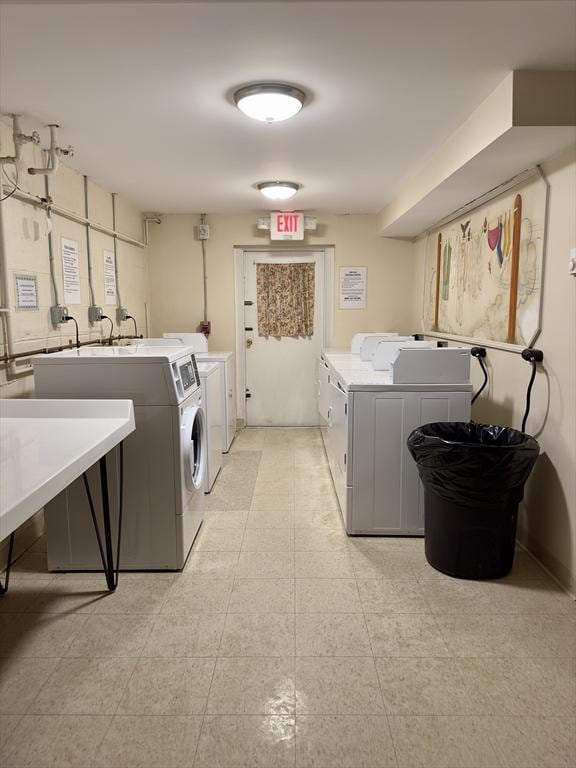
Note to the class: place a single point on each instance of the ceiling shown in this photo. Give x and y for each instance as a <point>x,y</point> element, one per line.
<point>143,90</point>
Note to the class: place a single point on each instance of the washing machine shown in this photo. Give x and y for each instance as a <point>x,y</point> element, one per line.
<point>164,459</point>
<point>226,361</point>
<point>211,385</point>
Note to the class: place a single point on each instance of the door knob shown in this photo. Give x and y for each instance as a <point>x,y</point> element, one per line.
<point>249,343</point>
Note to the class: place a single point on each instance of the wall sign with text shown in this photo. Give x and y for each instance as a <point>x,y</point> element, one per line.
<point>286,226</point>
<point>353,287</point>
<point>26,292</point>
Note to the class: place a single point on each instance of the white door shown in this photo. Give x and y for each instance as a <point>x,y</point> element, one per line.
<point>280,372</point>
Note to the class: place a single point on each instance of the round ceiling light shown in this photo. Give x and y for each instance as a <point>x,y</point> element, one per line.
<point>278,190</point>
<point>269,102</point>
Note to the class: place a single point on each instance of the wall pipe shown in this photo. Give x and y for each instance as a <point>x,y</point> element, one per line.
<point>51,246</point>
<point>115,247</point>
<point>16,134</point>
<point>53,159</point>
<point>57,210</point>
<point>88,252</point>
<point>204,270</point>
<point>50,350</point>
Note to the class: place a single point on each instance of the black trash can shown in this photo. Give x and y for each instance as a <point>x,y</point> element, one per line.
<point>473,477</point>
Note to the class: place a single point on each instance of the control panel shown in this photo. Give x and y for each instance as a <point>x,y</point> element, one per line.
<point>186,377</point>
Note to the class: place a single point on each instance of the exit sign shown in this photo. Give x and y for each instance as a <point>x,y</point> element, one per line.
<point>287,226</point>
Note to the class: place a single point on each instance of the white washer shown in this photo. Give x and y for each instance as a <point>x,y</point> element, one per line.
<point>211,383</point>
<point>164,459</point>
<point>197,342</point>
<point>226,360</point>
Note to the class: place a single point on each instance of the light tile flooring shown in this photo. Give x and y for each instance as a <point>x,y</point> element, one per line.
<point>285,643</point>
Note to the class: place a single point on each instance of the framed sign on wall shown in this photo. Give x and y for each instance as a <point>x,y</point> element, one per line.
<point>483,276</point>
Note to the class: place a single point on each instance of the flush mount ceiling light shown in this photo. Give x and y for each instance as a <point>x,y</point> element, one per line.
<point>278,190</point>
<point>269,102</point>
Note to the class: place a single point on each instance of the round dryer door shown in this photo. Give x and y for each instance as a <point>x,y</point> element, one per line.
<point>192,445</point>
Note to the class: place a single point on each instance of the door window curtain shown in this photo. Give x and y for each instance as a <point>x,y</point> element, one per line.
<point>285,297</point>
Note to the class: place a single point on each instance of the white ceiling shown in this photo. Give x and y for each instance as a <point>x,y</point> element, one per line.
<point>142,90</point>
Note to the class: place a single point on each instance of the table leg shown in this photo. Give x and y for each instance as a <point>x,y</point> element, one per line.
<point>4,587</point>
<point>111,569</point>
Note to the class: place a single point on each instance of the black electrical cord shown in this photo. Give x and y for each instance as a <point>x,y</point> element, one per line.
<point>479,353</point>
<point>484,383</point>
<point>529,395</point>
<point>129,317</point>
<point>13,182</point>
<point>69,317</point>
<point>105,317</point>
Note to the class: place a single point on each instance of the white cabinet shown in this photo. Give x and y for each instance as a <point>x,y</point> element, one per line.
<point>386,493</point>
<point>365,433</point>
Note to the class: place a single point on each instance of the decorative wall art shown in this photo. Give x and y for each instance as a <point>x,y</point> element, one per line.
<point>483,274</point>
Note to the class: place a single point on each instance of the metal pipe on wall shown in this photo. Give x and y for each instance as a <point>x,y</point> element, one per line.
<point>51,246</point>
<point>88,252</point>
<point>115,248</point>
<point>50,350</point>
<point>12,372</point>
<point>57,210</point>
<point>53,159</point>
<point>204,270</point>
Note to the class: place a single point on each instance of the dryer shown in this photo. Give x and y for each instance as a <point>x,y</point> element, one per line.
<point>164,459</point>
<point>211,384</point>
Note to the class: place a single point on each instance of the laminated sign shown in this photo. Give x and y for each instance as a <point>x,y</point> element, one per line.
<point>71,271</point>
<point>353,287</point>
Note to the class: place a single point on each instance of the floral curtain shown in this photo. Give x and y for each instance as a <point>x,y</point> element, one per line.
<point>285,297</point>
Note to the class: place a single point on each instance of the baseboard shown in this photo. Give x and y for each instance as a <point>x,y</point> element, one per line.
<point>553,567</point>
<point>25,536</point>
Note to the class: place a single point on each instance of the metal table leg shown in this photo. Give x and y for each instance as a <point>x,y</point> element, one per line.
<point>111,569</point>
<point>4,587</point>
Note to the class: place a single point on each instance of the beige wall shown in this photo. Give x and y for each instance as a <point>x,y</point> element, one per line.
<point>26,247</point>
<point>176,273</point>
<point>548,518</point>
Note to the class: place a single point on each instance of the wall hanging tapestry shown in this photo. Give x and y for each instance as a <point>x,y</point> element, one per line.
<point>483,276</point>
<point>285,297</point>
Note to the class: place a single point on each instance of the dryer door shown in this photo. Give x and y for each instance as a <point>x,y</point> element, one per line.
<point>193,444</point>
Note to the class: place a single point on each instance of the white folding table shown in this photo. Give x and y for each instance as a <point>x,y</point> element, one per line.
<point>47,444</point>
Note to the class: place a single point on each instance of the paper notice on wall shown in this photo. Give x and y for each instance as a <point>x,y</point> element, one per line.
<point>26,292</point>
<point>71,271</point>
<point>353,287</point>
<point>109,277</point>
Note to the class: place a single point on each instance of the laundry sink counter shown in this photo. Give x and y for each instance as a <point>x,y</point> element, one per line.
<point>46,444</point>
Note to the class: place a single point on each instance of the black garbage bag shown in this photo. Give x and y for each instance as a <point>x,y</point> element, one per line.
<point>473,477</point>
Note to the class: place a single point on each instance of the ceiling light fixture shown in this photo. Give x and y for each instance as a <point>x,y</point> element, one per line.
<point>278,190</point>
<point>269,102</point>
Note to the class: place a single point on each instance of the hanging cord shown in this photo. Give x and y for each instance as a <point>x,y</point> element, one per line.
<point>69,317</point>
<point>479,353</point>
<point>532,356</point>
<point>105,317</point>
<point>14,183</point>
<point>129,317</point>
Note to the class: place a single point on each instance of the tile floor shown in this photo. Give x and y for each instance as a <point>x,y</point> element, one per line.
<point>285,643</point>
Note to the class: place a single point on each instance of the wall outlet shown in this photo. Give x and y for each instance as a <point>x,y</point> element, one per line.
<point>121,314</point>
<point>203,232</point>
<point>58,315</point>
<point>95,314</point>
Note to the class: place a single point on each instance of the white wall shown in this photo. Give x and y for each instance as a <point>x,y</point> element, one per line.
<point>26,247</point>
<point>26,252</point>
<point>548,517</point>
<point>176,273</point>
